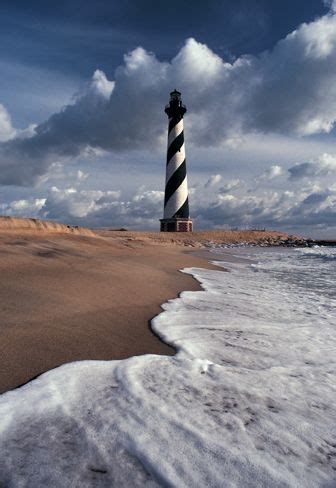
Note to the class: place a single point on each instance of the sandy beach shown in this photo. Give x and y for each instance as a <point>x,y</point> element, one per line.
<point>69,294</point>
<point>67,297</point>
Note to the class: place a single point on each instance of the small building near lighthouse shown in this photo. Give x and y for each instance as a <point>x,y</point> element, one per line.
<point>176,216</point>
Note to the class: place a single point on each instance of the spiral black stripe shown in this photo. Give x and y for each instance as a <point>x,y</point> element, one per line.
<point>176,203</point>
<point>183,211</point>
<point>175,146</point>
<point>173,121</point>
<point>175,181</point>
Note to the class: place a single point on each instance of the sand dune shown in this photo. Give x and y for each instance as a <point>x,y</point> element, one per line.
<point>15,224</point>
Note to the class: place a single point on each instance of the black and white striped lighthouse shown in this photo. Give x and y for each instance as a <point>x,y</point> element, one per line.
<point>176,205</point>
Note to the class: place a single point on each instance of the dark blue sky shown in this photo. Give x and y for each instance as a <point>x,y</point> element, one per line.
<point>75,37</point>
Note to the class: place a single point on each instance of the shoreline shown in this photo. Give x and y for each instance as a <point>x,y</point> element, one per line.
<point>69,294</point>
<point>68,298</point>
<point>238,388</point>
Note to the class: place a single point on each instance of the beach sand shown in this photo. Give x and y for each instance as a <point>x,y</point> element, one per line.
<point>70,297</point>
<point>69,294</point>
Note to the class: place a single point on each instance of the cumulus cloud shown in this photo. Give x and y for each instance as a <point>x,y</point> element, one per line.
<point>290,89</point>
<point>272,172</point>
<point>210,208</point>
<point>30,207</point>
<point>331,4</point>
<point>295,210</point>
<point>231,185</point>
<point>82,176</point>
<point>103,208</point>
<point>6,130</point>
<point>67,134</point>
<point>316,198</point>
<point>73,204</point>
<point>322,166</point>
<point>232,203</point>
<point>213,180</point>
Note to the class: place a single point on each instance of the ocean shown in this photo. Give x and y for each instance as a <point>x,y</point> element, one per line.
<point>248,401</point>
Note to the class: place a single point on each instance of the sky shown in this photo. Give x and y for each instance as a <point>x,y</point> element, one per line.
<point>83,133</point>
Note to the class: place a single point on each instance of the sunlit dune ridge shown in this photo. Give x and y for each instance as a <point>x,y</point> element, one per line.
<point>14,223</point>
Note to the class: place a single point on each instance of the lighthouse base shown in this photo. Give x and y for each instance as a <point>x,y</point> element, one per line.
<point>176,225</point>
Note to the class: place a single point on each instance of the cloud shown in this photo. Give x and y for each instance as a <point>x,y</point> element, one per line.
<point>292,210</point>
<point>330,4</point>
<point>316,198</point>
<point>82,176</point>
<point>69,203</point>
<point>6,130</point>
<point>231,186</point>
<point>213,180</point>
<point>234,203</point>
<point>288,90</point>
<point>23,208</point>
<point>103,209</point>
<point>293,81</point>
<point>322,166</point>
<point>273,172</point>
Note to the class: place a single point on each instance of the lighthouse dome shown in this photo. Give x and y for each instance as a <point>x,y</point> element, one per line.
<point>175,95</point>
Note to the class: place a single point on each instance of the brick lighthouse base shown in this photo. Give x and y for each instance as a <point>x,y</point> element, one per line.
<point>176,225</point>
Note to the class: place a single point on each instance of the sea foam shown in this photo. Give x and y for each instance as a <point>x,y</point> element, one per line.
<point>249,399</point>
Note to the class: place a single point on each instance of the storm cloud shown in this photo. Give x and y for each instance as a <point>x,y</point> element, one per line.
<point>290,89</point>
<point>323,166</point>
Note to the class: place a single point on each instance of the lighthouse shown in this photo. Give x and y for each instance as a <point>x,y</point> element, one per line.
<point>176,205</point>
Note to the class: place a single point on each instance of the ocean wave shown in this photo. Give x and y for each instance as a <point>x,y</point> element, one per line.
<point>317,252</point>
<point>249,400</point>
